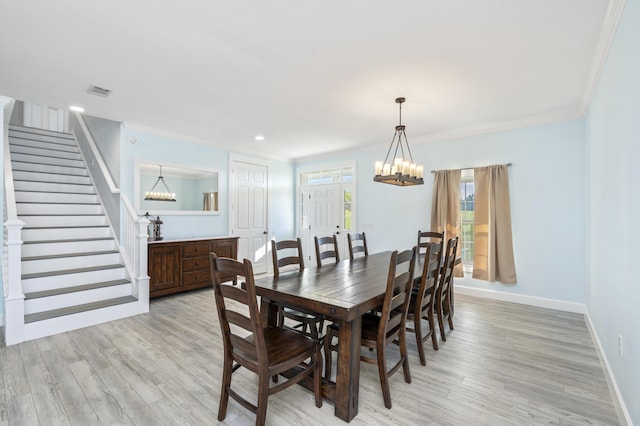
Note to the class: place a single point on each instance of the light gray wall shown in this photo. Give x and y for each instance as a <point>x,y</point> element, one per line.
<point>110,200</point>
<point>614,150</point>
<point>106,135</point>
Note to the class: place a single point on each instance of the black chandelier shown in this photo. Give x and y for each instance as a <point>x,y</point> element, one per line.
<point>403,171</point>
<point>158,195</point>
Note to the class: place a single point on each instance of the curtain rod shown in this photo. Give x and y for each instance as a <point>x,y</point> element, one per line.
<point>469,168</point>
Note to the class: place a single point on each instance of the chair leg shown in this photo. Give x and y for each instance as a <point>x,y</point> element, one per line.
<point>432,324</point>
<point>417,328</point>
<point>402,338</point>
<point>384,375</point>
<point>441,321</point>
<point>449,311</point>
<point>226,383</point>
<point>317,376</point>
<point>263,396</point>
<point>328,338</point>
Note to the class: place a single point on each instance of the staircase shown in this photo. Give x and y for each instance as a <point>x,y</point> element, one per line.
<point>73,274</point>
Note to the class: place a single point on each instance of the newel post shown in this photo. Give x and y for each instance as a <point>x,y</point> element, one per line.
<point>142,277</point>
<point>14,299</point>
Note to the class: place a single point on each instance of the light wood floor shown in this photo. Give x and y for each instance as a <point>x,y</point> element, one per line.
<point>505,364</point>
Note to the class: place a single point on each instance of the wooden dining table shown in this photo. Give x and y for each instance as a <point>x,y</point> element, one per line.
<point>341,293</point>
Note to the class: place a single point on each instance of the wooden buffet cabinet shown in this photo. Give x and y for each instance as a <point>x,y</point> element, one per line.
<point>180,265</point>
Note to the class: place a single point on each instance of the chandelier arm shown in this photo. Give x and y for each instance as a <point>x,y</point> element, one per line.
<point>389,150</point>
<point>406,141</point>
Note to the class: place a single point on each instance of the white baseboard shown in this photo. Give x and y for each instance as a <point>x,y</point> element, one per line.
<point>621,408</point>
<point>540,302</point>
<point>561,305</point>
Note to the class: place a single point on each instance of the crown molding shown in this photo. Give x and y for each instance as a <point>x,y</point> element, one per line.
<point>607,35</point>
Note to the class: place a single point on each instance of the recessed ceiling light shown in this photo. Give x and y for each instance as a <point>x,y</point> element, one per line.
<point>76,108</point>
<point>259,138</point>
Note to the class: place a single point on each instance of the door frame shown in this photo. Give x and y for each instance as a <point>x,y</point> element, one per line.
<point>232,189</point>
<point>353,185</point>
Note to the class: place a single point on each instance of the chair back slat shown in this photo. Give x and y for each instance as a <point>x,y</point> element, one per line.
<point>427,237</point>
<point>357,244</point>
<point>282,256</point>
<point>238,307</point>
<point>398,293</point>
<point>430,273</point>
<point>326,248</point>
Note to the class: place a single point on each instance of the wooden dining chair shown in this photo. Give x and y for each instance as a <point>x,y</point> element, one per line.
<point>422,300</point>
<point>264,351</point>
<point>357,244</point>
<point>427,237</point>
<point>379,331</point>
<point>443,299</point>
<point>285,253</point>
<point>326,248</point>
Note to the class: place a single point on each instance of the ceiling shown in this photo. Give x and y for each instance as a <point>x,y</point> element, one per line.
<point>311,77</point>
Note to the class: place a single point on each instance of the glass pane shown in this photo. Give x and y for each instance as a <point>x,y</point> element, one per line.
<point>347,210</point>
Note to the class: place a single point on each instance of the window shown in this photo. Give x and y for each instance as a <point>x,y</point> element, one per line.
<point>466,219</point>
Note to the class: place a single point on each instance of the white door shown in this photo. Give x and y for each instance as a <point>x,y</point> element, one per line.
<point>325,216</point>
<point>249,212</point>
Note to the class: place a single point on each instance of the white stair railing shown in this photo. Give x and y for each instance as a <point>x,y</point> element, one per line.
<point>12,258</point>
<point>135,239</point>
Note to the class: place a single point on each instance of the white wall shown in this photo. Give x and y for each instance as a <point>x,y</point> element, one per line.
<point>548,200</point>
<point>614,150</point>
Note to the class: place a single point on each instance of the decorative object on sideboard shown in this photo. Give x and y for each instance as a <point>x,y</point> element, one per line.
<point>153,229</point>
<point>403,171</point>
<point>157,195</point>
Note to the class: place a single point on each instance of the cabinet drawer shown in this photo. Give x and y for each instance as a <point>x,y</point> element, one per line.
<point>196,277</point>
<point>199,248</point>
<point>195,264</point>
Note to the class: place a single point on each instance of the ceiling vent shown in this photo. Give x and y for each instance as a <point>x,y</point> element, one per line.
<point>95,90</point>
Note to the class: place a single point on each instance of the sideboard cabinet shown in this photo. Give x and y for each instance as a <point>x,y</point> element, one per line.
<point>180,265</point>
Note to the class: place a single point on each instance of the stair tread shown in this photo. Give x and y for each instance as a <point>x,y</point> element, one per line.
<point>40,316</point>
<point>54,192</point>
<point>47,164</point>
<point>48,172</point>
<point>39,131</point>
<point>55,202</point>
<point>71,271</point>
<point>60,256</point>
<point>54,183</point>
<point>59,214</point>
<point>66,226</point>
<point>74,289</point>
<point>71,240</point>
<point>33,154</point>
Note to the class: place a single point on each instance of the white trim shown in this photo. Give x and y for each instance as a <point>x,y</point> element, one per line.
<point>541,302</point>
<point>96,153</point>
<point>621,408</point>
<point>605,40</point>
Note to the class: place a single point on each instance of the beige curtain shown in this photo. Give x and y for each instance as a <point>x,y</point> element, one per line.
<point>445,206</point>
<point>493,246</point>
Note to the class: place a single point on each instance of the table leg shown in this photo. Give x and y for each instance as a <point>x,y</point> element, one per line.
<point>348,371</point>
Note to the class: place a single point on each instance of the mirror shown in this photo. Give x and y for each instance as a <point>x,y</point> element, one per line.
<point>196,190</point>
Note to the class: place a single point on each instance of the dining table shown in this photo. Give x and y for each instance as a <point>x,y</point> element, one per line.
<point>341,293</point>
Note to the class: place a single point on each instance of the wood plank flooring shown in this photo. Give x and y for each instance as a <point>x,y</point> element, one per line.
<point>505,364</point>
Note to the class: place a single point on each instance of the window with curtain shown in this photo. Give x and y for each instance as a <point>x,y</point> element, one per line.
<point>491,245</point>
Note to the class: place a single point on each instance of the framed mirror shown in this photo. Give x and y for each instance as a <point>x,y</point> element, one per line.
<point>165,189</point>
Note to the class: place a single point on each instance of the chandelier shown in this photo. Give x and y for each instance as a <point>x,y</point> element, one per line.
<point>157,195</point>
<point>403,171</point>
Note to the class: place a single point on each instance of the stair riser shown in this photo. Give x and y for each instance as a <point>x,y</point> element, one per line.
<point>63,263</point>
<point>46,249</point>
<point>39,168</point>
<point>21,185</point>
<point>27,143</point>
<point>63,281</point>
<point>42,304</point>
<point>42,137</point>
<point>38,329</point>
<point>65,233</point>
<point>29,208</point>
<point>52,178</point>
<point>42,221</point>
<point>53,197</point>
<point>54,161</point>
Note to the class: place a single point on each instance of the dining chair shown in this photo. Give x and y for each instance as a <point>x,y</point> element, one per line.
<point>357,244</point>
<point>285,253</point>
<point>443,299</point>
<point>378,331</point>
<point>326,248</point>
<point>264,351</point>
<point>427,237</point>
<point>422,300</point>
